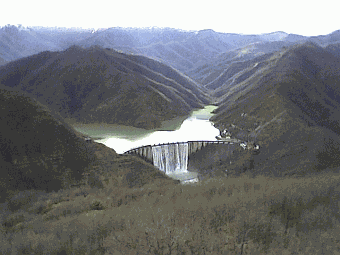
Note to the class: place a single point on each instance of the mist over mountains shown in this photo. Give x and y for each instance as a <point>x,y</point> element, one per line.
<point>183,50</point>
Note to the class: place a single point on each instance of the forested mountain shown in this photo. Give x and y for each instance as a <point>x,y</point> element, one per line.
<point>289,106</point>
<point>37,147</point>
<point>102,85</point>
<point>213,70</point>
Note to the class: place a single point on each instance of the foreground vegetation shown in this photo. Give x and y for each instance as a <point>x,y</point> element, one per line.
<point>238,215</point>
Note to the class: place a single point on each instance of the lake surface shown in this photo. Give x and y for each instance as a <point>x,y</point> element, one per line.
<point>193,127</point>
<point>121,138</point>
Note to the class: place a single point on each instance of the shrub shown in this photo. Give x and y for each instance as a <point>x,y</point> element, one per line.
<point>97,205</point>
<point>64,209</point>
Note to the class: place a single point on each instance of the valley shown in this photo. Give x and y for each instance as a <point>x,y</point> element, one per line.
<point>72,101</point>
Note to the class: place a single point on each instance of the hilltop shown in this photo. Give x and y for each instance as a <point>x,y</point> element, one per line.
<point>102,85</point>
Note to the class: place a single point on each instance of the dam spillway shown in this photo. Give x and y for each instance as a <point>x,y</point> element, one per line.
<point>172,157</point>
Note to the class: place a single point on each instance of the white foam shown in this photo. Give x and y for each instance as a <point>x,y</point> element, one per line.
<point>171,158</point>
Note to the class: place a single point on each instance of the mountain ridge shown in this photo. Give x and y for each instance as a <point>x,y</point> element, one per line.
<point>77,80</point>
<point>293,101</point>
<point>183,50</point>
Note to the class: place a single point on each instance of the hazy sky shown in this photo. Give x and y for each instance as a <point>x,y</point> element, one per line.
<point>236,16</point>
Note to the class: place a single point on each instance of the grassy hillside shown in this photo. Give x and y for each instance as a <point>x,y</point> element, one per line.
<point>102,85</point>
<point>220,216</point>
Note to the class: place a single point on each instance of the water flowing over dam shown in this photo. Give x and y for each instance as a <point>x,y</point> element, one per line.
<point>172,157</point>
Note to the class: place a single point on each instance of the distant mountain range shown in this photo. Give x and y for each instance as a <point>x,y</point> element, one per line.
<point>19,42</point>
<point>183,50</point>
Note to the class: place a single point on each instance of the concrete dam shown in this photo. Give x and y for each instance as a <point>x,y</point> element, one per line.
<point>173,157</point>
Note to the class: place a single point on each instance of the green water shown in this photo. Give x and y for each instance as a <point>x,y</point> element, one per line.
<point>205,113</point>
<point>195,126</point>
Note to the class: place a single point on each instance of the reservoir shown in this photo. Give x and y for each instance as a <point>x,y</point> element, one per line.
<point>194,127</point>
<point>121,138</point>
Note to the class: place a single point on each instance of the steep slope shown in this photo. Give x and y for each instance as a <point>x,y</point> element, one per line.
<point>102,85</point>
<point>235,73</point>
<point>290,109</point>
<point>38,149</point>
